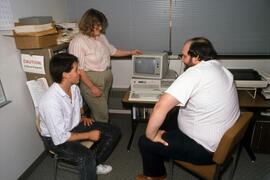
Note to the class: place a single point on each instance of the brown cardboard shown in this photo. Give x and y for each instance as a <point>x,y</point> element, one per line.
<point>32,42</point>
<point>40,33</point>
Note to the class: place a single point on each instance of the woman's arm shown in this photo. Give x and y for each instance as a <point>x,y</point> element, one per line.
<point>122,53</point>
<point>94,89</point>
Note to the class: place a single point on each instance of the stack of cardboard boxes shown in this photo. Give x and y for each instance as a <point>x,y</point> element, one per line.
<point>35,32</point>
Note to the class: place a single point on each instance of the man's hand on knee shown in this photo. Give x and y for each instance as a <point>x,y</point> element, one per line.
<point>94,135</point>
<point>158,138</point>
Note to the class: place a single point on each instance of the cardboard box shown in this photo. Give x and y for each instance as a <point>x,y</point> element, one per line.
<point>33,42</point>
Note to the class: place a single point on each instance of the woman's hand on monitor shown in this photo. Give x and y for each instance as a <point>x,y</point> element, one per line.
<point>136,52</point>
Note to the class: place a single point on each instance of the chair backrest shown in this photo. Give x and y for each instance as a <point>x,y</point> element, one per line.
<point>38,122</point>
<point>232,138</point>
<point>39,85</point>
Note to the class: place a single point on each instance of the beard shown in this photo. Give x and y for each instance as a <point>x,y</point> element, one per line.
<point>188,64</point>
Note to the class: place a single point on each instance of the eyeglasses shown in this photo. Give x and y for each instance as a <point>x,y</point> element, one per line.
<point>180,56</point>
<point>97,26</point>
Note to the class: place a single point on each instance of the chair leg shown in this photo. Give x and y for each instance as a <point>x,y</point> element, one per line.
<point>217,174</point>
<point>171,166</point>
<point>55,167</point>
<point>235,160</point>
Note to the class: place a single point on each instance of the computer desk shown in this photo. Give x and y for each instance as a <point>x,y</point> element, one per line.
<point>255,105</point>
<point>135,120</point>
<point>246,102</point>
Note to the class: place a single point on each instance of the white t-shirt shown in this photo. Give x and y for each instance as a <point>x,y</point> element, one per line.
<point>208,100</point>
<point>59,113</point>
<point>93,53</point>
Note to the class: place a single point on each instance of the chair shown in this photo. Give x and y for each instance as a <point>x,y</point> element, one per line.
<point>224,153</point>
<point>66,164</point>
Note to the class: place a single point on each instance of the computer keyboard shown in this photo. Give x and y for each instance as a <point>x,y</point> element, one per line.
<point>144,96</point>
<point>145,86</point>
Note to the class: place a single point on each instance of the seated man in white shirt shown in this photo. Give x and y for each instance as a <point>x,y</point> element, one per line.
<point>63,126</point>
<point>208,107</point>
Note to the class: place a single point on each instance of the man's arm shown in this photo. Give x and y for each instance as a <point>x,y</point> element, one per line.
<point>86,120</point>
<point>161,109</point>
<point>93,135</point>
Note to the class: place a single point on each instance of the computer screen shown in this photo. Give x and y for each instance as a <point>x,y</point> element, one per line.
<point>150,65</point>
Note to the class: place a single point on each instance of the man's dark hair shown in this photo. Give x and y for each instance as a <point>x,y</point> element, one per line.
<point>91,18</point>
<point>61,63</point>
<point>202,48</point>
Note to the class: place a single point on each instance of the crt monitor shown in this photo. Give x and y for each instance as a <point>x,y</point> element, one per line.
<point>150,65</point>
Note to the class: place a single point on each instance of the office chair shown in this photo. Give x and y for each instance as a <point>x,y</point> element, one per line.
<point>224,153</point>
<point>66,164</point>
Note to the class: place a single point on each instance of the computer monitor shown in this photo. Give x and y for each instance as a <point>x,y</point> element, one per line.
<point>150,65</point>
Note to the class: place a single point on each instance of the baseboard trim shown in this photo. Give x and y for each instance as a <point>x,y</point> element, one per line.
<point>119,111</point>
<point>33,166</point>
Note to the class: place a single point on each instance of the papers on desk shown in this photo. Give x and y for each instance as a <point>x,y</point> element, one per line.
<point>265,75</point>
<point>266,92</point>
<point>22,29</point>
<point>265,113</point>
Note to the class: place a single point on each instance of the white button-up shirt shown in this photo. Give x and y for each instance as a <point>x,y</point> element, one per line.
<point>93,53</point>
<point>59,113</point>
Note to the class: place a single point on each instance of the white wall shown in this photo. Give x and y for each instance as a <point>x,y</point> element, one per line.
<point>20,143</point>
<point>58,9</point>
<point>122,69</point>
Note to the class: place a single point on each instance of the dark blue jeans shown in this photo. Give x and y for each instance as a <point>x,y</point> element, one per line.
<point>180,147</point>
<point>87,159</point>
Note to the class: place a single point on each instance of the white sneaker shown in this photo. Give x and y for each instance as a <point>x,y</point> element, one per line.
<point>103,169</point>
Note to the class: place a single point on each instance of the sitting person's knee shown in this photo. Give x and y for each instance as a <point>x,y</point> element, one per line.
<point>143,141</point>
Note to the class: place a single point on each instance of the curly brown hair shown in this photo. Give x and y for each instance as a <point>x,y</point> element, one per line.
<point>90,19</point>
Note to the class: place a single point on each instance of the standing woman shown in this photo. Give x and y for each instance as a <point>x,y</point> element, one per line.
<point>93,51</point>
